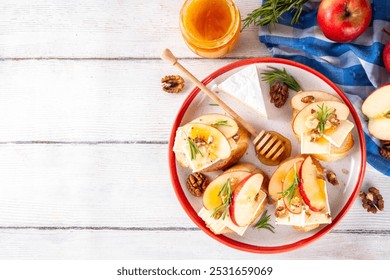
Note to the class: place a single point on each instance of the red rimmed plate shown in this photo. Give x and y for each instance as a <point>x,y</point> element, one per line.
<point>350,170</point>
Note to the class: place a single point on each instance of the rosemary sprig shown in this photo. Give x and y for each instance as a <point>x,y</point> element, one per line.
<point>277,75</point>
<point>226,194</point>
<point>193,149</point>
<point>322,116</point>
<point>271,10</point>
<point>290,191</point>
<point>221,123</point>
<point>264,222</point>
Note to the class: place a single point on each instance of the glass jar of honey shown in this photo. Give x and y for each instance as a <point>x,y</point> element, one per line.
<point>210,28</point>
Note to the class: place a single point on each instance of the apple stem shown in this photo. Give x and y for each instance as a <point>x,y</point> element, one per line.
<point>347,12</point>
<point>385,31</point>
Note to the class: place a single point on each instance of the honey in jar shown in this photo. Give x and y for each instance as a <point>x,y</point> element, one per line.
<point>210,28</point>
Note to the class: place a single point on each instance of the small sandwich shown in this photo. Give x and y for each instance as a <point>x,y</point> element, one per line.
<point>320,123</point>
<point>299,191</point>
<point>210,142</point>
<point>235,199</point>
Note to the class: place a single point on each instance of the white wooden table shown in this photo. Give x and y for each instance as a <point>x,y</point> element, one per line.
<point>84,135</point>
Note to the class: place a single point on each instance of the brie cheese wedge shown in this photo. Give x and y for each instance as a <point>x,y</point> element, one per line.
<point>245,86</point>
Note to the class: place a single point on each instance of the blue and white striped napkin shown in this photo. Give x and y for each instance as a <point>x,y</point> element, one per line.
<point>356,67</point>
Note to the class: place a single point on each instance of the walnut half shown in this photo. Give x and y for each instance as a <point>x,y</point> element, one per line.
<point>172,83</point>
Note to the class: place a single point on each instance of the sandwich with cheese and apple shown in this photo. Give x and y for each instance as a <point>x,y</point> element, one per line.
<point>234,200</point>
<point>320,123</point>
<point>210,142</point>
<point>299,191</point>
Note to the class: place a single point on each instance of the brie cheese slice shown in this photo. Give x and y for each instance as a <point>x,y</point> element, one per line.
<point>215,225</point>
<point>307,217</point>
<point>245,86</point>
<point>219,226</point>
<point>337,136</point>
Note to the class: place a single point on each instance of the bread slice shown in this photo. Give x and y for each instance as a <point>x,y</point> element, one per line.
<point>316,96</point>
<point>216,226</point>
<point>238,150</point>
<point>239,143</point>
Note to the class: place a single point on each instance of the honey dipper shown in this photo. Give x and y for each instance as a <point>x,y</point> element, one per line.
<point>271,147</point>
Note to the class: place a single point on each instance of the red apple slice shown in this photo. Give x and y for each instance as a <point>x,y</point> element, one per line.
<point>276,182</point>
<point>312,186</point>
<point>211,198</point>
<point>246,199</point>
<point>293,202</point>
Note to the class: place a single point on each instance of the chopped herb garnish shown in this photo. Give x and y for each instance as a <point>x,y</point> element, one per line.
<point>226,194</point>
<point>194,149</point>
<point>277,75</point>
<point>264,222</point>
<point>222,123</point>
<point>290,191</point>
<point>322,116</point>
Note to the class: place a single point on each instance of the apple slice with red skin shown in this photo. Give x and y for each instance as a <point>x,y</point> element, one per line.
<point>276,182</point>
<point>312,186</point>
<point>246,199</point>
<point>295,204</point>
<point>211,198</point>
<point>386,57</point>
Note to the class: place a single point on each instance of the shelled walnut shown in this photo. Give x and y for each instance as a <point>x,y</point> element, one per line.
<point>373,200</point>
<point>172,83</point>
<point>385,149</point>
<point>197,183</point>
<point>279,94</point>
<point>332,178</point>
<point>308,99</point>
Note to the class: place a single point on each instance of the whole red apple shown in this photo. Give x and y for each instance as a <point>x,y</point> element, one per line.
<point>386,56</point>
<point>344,20</point>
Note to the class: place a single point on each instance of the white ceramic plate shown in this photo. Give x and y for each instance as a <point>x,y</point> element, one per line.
<point>350,170</point>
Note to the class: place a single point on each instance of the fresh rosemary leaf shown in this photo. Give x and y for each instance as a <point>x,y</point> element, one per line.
<point>213,104</point>
<point>270,12</point>
<point>222,123</point>
<point>277,75</point>
<point>322,116</point>
<point>194,150</point>
<point>264,222</point>
<point>290,191</point>
<point>226,194</point>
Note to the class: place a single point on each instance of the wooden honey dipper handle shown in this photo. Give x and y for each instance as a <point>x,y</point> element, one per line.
<point>168,57</point>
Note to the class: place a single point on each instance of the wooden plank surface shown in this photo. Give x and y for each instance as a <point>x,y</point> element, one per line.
<point>173,245</point>
<point>102,29</point>
<point>93,100</point>
<point>112,185</point>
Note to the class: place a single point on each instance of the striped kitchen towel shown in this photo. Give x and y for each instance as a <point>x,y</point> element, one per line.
<point>356,67</point>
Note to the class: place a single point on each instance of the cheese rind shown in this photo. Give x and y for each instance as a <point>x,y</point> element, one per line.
<point>245,86</point>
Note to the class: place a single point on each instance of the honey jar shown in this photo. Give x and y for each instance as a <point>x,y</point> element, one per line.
<point>210,28</point>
